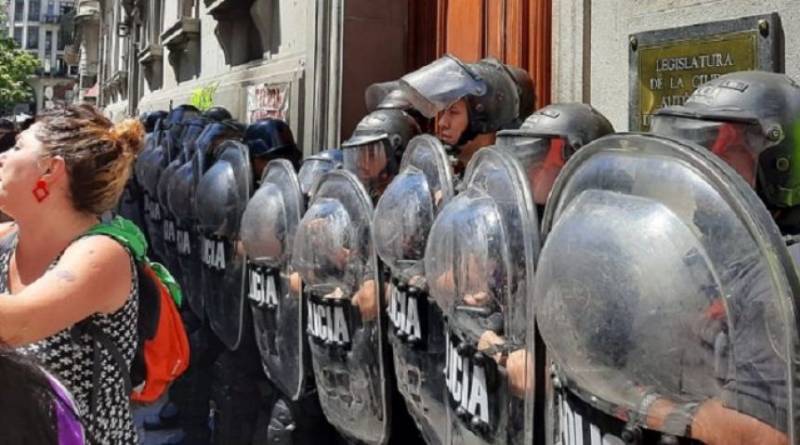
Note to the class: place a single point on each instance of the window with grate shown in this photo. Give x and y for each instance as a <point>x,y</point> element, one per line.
<point>33,37</point>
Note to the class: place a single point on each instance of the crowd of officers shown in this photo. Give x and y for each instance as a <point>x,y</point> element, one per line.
<point>465,269</point>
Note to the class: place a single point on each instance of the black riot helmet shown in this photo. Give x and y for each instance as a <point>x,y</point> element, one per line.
<point>377,93</point>
<point>207,143</point>
<point>316,165</point>
<point>750,119</point>
<point>271,139</point>
<point>389,96</point>
<point>374,150</point>
<point>191,131</point>
<point>527,93</point>
<point>560,130</point>
<point>490,91</point>
<point>149,119</point>
<point>173,127</point>
<point>217,114</point>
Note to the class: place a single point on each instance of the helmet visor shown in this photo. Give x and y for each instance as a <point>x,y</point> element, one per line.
<point>434,87</point>
<point>311,170</point>
<point>370,161</point>
<point>737,143</point>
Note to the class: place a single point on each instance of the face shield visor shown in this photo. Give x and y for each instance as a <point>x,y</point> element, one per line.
<point>311,170</point>
<point>737,143</point>
<point>434,87</point>
<point>370,161</point>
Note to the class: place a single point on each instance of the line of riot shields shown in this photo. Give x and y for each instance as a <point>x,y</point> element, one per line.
<point>516,277</point>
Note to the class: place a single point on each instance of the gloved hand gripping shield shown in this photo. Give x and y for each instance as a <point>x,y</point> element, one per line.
<point>221,198</point>
<point>403,218</point>
<point>268,228</point>
<point>479,266</point>
<point>334,254</point>
<point>665,295</point>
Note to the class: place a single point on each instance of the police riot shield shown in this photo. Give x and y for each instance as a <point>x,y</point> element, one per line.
<point>181,203</point>
<point>403,218</point>
<point>152,165</point>
<point>334,255</point>
<point>169,254</point>
<point>479,267</point>
<point>166,187</point>
<point>666,298</point>
<point>221,197</point>
<point>268,228</point>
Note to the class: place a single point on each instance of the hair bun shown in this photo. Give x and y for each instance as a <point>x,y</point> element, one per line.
<point>128,136</point>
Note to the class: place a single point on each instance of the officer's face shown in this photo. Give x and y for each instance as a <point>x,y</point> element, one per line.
<point>453,122</point>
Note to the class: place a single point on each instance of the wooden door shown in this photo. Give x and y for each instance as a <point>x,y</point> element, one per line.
<point>517,32</point>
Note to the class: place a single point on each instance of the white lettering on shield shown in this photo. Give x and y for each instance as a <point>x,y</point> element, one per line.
<point>466,383</point>
<point>574,426</point>
<point>169,231</point>
<point>154,210</point>
<point>262,289</point>
<point>182,242</point>
<point>404,314</point>
<point>214,254</point>
<point>328,323</point>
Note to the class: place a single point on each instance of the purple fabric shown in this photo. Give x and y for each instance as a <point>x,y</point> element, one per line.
<point>70,430</point>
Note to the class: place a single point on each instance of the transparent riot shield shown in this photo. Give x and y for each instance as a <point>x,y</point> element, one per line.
<point>268,228</point>
<point>221,197</point>
<point>403,218</point>
<point>479,267</point>
<point>334,255</point>
<point>666,298</point>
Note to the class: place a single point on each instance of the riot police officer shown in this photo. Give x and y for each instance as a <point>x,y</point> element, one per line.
<point>131,203</point>
<point>153,164</point>
<point>276,301</point>
<point>472,101</point>
<point>402,221</point>
<point>270,139</point>
<point>746,118</point>
<point>316,165</point>
<point>687,322</point>
<point>478,265</point>
<point>373,152</point>
<point>217,113</point>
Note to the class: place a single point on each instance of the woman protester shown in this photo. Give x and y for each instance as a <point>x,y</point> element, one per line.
<point>65,170</point>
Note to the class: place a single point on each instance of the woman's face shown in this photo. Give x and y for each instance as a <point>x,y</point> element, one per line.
<point>453,122</point>
<point>20,168</point>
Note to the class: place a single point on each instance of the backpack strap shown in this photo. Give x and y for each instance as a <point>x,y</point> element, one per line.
<point>100,340</point>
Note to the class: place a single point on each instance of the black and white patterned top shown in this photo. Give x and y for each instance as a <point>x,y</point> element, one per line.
<point>72,362</point>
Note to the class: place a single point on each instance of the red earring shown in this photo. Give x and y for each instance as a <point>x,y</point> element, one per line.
<point>41,192</point>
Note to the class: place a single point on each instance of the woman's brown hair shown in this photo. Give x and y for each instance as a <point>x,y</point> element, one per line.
<point>97,153</point>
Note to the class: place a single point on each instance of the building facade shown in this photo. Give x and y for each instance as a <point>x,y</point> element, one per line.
<point>39,26</point>
<point>258,58</point>
<point>596,45</point>
<point>306,61</point>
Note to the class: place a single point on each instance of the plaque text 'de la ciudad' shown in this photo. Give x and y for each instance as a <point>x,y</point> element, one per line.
<point>670,72</point>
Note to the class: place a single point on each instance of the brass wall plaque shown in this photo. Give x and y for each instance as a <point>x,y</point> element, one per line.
<point>668,65</point>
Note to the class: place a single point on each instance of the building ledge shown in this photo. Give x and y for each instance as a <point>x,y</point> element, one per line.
<point>150,54</point>
<point>178,35</point>
<point>219,8</point>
